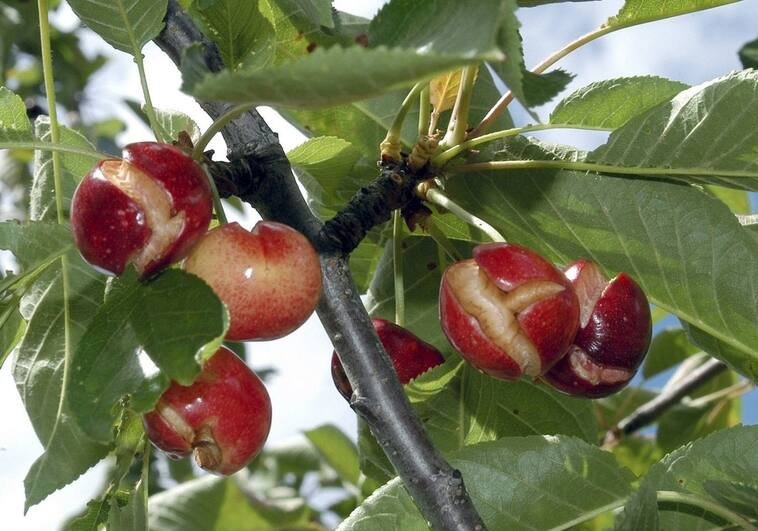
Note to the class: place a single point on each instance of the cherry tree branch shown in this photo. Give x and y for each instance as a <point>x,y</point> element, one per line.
<point>650,411</point>
<point>378,397</point>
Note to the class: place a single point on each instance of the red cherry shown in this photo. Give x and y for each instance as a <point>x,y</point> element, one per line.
<point>148,209</point>
<point>508,311</point>
<point>613,338</point>
<point>410,356</point>
<point>269,278</point>
<point>223,418</point>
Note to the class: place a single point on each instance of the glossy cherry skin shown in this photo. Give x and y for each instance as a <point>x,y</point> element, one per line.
<point>410,356</point>
<point>223,418</point>
<point>269,278</point>
<point>147,209</point>
<point>613,337</point>
<point>508,311</point>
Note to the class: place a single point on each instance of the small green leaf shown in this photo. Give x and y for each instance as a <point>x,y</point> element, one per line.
<point>611,103</point>
<point>174,122</point>
<point>541,88</point>
<point>239,29</point>
<point>337,450</point>
<point>127,25</point>
<point>641,11</point>
<point>13,117</point>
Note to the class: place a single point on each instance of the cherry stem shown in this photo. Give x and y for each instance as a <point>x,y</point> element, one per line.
<point>424,112</point>
<point>216,127</point>
<point>158,131</point>
<point>218,206</point>
<point>397,267</point>
<point>390,146</point>
<point>456,129</point>
<point>436,197</point>
<point>507,98</point>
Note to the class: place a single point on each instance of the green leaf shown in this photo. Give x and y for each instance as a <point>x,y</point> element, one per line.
<point>13,117</point>
<point>174,122</point>
<point>174,318</point>
<point>12,327</point>
<point>446,27</point>
<point>641,513</point>
<point>611,103</point>
<point>239,29</point>
<point>34,243</point>
<point>749,54</point>
<point>510,481</point>
<point>541,88</point>
<point>669,348</point>
<point>337,450</point>
<point>218,504</point>
<point>127,25</point>
<point>705,130</point>
<point>329,160</point>
<point>729,456</point>
<point>55,316</point>
<point>321,79</point>
<point>641,11</point>
<point>684,248</point>
<point>536,3</point>
<point>73,169</point>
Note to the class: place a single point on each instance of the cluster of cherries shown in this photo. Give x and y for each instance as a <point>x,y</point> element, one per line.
<point>508,311</point>
<point>152,208</point>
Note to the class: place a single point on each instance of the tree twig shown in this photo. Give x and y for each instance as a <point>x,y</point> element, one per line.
<point>378,397</point>
<point>650,411</point>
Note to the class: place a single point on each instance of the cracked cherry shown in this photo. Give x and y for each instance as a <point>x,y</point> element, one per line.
<point>269,278</point>
<point>410,355</point>
<point>148,209</point>
<point>223,418</point>
<point>613,338</point>
<point>508,311</point>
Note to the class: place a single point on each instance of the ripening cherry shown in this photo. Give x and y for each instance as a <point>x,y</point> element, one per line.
<point>614,334</point>
<point>269,278</point>
<point>410,355</point>
<point>508,311</point>
<point>223,418</point>
<point>147,209</point>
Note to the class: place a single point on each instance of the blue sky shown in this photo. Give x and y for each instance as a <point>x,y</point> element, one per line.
<point>693,49</point>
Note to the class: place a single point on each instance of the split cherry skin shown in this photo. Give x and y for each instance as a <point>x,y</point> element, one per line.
<point>269,278</point>
<point>147,209</point>
<point>410,356</point>
<point>613,337</point>
<point>508,311</point>
<point>223,418</point>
